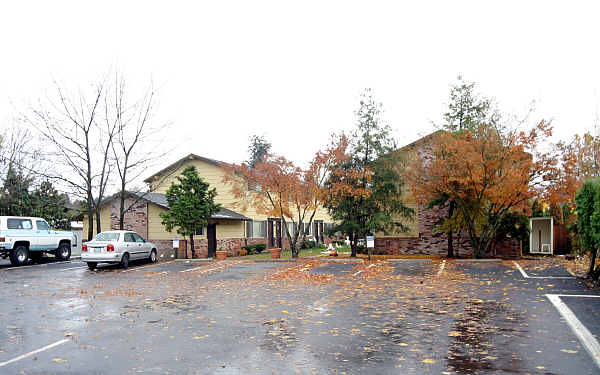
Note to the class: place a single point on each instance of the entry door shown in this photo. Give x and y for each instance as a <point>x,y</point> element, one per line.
<point>211,235</point>
<point>278,232</point>
<point>274,232</point>
<point>321,234</point>
<point>270,235</point>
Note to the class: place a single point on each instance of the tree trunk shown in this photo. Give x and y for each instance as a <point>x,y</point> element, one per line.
<point>590,273</point>
<point>192,245</point>
<point>293,241</point>
<point>90,224</point>
<point>294,246</point>
<point>450,232</point>
<point>98,224</point>
<point>122,210</point>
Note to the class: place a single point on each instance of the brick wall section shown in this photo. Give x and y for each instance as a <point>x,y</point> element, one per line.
<point>509,248</point>
<point>232,245</point>
<point>431,242</point>
<point>165,249</point>
<point>136,218</point>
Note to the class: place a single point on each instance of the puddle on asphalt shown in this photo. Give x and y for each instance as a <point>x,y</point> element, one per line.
<point>336,269</point>
<point>177,304</point>
<point>279,337</point>
<point>479,345</point>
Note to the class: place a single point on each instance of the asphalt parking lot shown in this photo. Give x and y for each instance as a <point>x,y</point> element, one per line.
<point>239,317</point>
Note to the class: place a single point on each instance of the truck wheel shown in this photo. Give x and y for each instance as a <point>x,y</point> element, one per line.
<point>125,260</point>
<point>63,252</point>
<point>19,255</point>
<point>35,256</point>
<point>92,265</point>
<point>153,257</point>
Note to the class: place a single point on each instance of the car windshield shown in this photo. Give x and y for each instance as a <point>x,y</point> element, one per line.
<point>110,236</point>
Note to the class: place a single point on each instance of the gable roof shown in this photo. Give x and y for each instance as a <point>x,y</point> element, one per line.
<point>161,201</point>
<point>421,141</point>
<point>182,161</point>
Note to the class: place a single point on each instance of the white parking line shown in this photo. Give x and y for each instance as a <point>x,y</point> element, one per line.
<point>72,268</point>
<point>143,267</point>
<point>220,268</point>
<point>525,275</point>
<point>361,271</point>
<point>33,265</point>
<point>192,269</point>
<point>442,266</point>
<point>212,269</point>
<point>583,334</point>
<point>60,342</point>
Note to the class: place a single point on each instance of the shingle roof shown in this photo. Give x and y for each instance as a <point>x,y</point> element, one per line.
<point>156,198</point>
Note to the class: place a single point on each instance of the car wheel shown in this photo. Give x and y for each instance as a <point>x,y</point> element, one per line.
<point>63,252</point>
<point>92,265</point>
<point>125,260</point>
<point>19,255</point>
<point>153,257</point>
<point>35,256</point>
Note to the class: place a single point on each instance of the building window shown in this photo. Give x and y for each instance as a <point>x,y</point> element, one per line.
<point>256,229</point>
<point>199,232</point>
<point>254,186</point>
<point>291,229</point>
<point>307,229</point>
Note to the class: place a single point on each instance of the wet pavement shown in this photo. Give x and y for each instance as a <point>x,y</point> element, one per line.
<point>414,267</point>
<point>235,317</point>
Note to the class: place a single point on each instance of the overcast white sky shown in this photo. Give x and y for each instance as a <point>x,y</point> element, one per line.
<point>293,70</point>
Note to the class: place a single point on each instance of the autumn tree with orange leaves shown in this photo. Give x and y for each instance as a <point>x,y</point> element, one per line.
<point>364,188</point>
<point>579,160</point>
<point>488,174</point>
<point>278,188</point>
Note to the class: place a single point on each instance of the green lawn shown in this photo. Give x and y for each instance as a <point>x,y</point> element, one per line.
<point>287,253</point>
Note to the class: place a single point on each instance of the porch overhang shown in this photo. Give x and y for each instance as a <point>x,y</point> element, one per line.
<point>225,214</point>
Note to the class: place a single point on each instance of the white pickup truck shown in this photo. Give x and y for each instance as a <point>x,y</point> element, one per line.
<point>23,238</point>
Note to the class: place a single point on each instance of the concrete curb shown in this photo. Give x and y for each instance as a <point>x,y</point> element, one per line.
<point>338,260</point>
<point>272,260</point>
<point>410,260</point>
<point>477,260</point>
<point>201,260</point>
<point>544,257</point>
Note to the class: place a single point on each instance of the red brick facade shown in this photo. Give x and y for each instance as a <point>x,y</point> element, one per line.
<point>432,242</point>
<point>136,218</point>
<point>165,248</point>
<point>232,245</point>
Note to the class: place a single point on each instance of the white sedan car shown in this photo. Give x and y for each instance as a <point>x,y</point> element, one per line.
<point>117,246</point>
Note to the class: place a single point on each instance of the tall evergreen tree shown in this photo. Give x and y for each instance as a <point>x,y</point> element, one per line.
<point>16,199</point>
<point>49,204</point>
<point>588,221</point>
<point>259,148</point>
<point>364,189</point>
<point>466,111</point>
<point>191,204</point>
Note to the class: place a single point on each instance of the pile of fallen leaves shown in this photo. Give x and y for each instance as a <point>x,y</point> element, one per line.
<point>578,266</point>
<point>300,273</point>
